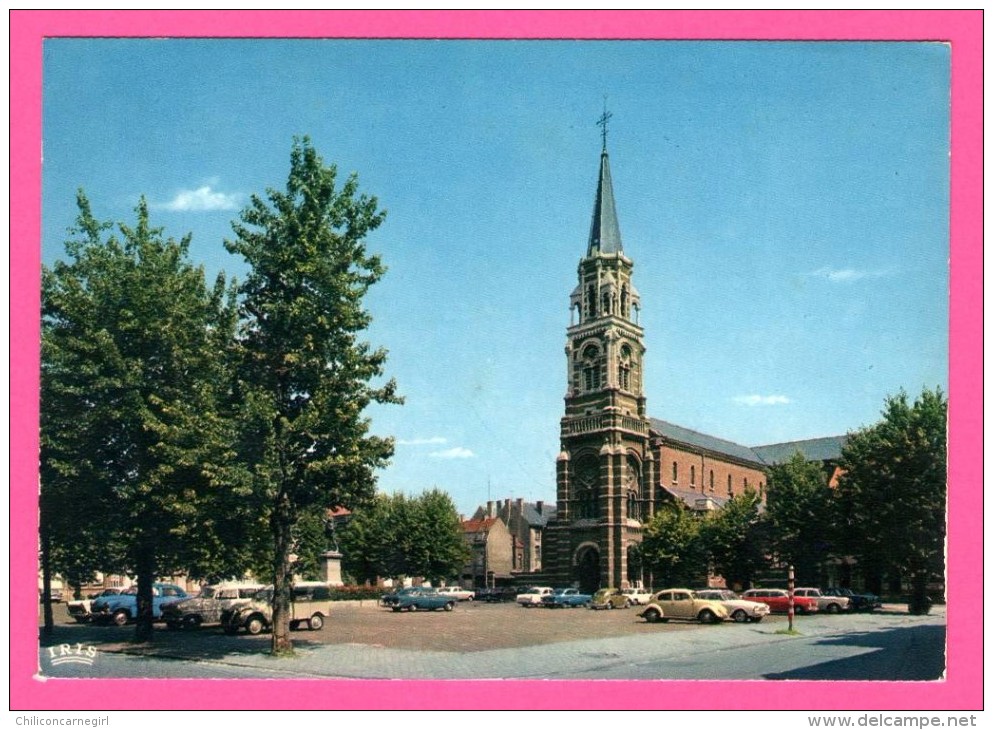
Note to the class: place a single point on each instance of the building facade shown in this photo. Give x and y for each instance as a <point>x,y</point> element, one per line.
<point>616,465</point>
<point>526,522</point>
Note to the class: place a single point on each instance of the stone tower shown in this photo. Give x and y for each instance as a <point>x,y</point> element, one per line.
<point>605,469</point>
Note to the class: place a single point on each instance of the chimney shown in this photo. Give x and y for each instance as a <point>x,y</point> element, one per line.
<point>520,505</point>
<point>538,505</point>
<point>506,505</point>
<point>490,512</point>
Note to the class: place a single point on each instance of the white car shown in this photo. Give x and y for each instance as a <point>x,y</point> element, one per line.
<point>740,610</point>
<point>636,596</point>
<point>828,604</point>
<point>532,596</point>
<point>458,593</point>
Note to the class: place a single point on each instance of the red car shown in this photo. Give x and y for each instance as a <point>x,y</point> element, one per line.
<point>778,600</point>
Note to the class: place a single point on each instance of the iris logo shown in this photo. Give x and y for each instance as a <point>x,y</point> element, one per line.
<point>72,654</point>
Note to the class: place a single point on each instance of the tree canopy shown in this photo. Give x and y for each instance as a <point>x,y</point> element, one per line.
<point>893,492</point>
<point>133,441</point>
<point>672,547</point>
<point>305,377</point>
<point>736,538</point>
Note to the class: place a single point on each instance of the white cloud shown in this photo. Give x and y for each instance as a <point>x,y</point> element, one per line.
<point>422,441</point>
<point>845,275</point>
<point>457,452</point>
<point>204,198</point>
<point>761,400</point>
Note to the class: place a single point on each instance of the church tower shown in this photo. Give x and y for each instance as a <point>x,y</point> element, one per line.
<point>605,470</point>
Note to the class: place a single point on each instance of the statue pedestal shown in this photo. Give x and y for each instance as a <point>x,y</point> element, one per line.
<point>331,568</point>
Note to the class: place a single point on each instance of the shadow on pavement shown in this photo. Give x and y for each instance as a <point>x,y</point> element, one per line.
<point>907,654</point>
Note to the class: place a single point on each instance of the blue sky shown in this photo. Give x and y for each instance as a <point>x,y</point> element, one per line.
<point>785,204</point>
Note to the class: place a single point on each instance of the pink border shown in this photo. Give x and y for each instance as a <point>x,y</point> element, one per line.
<point>963,686</point>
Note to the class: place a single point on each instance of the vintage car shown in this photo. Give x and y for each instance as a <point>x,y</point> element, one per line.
<point>637,596</point>
<point>495,595</point>
<point>418,599</point>
<point>682,603</point>
<point>857,601</point>
<point>740,610</point>
<point>123,607</point>
<point>457,592</point>
<point>565,598</point>
<point>82,610</point>
<point>778,600</point>
<point>828,604</point>
<point>310,604</point>
<point>608,598</point>
<point>532,596</point>
<point>207,607</point>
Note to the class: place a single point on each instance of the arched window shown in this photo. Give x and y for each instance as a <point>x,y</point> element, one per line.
<point>692,476</point>
<point>591,368</point>
<point>587,493</point>
<point>591,301</point>
<point>632,484</point>
<point>624,368</point>
<point>711,480</point>
<point>625,305</point>
<point>730,490</point>
<point>675,472</point>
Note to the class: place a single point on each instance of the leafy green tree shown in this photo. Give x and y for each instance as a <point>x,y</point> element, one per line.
<point>801,514</point>
<point>305,377</point>
<point>133,439</point>
<point>672,547</point>
<point>736,539</point>
<point>397,536</point>
<point>893,492</point>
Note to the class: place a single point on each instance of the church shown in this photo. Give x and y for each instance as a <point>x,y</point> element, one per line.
<point>616,465</point>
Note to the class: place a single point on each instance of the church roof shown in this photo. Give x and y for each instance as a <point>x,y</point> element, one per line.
<point>827,448</point>
<point>605,233</point>
<point>703,441</point>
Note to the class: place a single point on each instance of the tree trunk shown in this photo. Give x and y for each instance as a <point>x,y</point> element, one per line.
<point>920,603</point>
<point>146,577</point>
<point>281,527</point>
<point>46,583</point>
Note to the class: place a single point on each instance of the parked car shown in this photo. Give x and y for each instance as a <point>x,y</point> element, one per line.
<point>778,600</point>
<point>740,610</point>
<point>82,610</point>
<point>858,601</point>
<point>531,597</point>
<point>123,607</point>
<point>565,598</point>
<point>457,592</point>
<point>637,596</point>
<point>207,607</point>
<point>495,595</point>
<point>418,599</point>
<point>828,604</point>
<point>682,603</point>
<point>310,604</point>
<point>609,598</point>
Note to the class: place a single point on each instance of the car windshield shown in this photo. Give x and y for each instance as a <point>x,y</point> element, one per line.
<point>264,596</point>
<point>208,592</point>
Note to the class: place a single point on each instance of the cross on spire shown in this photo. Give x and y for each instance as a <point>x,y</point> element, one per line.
<point>602,122</point>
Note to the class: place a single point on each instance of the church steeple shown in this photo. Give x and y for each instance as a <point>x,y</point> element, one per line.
<point>605,233</point>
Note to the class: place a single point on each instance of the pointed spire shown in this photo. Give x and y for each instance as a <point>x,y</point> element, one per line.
<point>605,233</point>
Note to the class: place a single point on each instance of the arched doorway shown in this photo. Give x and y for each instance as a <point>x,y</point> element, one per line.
<point>588,570</point>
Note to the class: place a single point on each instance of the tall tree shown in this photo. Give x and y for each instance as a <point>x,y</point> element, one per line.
<point>893,492</point>
<point>672,547</point>
<point>800,510</point>
<point>131,432</point>
<point>306,377</point>
<point>736,539</point>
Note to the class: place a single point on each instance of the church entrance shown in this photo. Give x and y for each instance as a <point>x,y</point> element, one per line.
<point>588,570</point>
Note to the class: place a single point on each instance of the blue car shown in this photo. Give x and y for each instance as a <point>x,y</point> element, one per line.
<point>122,608</point>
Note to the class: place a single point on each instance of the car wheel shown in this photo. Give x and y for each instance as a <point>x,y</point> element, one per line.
<point>653,616</point>
<point>449,606</point>
<point>756,619</point>
<point>469,599</point>
<point>610,605</point>
<point>412,607</point>
<point>254,625</point>
<point>192,622</point>
<point>739,616</point>
<point>833,608</point>
<point>707,617</point>
<point>120,617</point>
<point>316,622</point>
<point>396,609</point>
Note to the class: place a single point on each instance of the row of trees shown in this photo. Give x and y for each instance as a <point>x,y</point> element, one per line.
<point>887,511</point>
<point>198,428</point>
